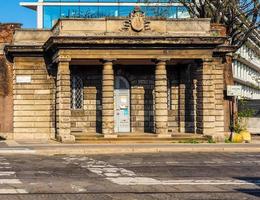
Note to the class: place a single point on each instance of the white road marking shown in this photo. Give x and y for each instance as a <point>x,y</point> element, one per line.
<point>151,181</point>
<point>6,173</point>
<point>4,164</point>
<point>122,176</point>
<point>78,188</point>
<point>5,167</point>
<point>10,181</point>
<point>13,191</point>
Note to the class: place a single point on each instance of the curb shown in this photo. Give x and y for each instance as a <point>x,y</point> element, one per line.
<point>92,149</point>
<point>134,150</point>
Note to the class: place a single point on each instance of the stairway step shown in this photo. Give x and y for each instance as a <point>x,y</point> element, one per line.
<point>140,139</point>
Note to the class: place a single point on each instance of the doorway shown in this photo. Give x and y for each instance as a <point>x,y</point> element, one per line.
<point>122,105</point>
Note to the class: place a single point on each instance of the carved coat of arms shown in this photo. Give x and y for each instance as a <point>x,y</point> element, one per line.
<point>136,21</point>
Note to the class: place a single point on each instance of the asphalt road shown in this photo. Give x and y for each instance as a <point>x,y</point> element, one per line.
<point>139,176</point>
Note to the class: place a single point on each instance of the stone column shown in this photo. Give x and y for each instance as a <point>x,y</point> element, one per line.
<point>63,98</point>
<point>108,99</point>
<point>182,99</point>
<point>161,108</point>
<point>205,98</point>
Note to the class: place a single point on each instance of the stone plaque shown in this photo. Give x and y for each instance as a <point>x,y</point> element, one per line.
<point>234,90</point>
<point>23,79</point>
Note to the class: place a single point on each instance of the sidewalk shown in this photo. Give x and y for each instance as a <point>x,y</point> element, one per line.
<point>54,148</point>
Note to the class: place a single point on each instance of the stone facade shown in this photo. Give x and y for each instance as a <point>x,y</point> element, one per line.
<point>33,100</point>
<point>176,81</point>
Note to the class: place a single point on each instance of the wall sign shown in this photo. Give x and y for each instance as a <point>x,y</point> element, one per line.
<point>234,90</point>
<point>23,79</point>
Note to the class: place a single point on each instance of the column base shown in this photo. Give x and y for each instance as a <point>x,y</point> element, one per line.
<point>164,135</point>
<point>216,137</point>
<point>109,136</point>
<point>66,138</point>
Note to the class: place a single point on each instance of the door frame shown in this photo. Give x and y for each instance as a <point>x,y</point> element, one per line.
<point>116,100</point>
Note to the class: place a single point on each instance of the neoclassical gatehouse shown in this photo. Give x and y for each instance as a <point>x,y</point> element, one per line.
<point>113,76</point>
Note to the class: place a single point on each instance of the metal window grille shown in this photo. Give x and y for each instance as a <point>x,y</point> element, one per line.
<point>76,93</point>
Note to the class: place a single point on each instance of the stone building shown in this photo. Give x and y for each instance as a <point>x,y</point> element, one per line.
<point>112,76</point>
<point>6,96</point>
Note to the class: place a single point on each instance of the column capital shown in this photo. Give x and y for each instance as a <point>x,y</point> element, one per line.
<point>160,61</point>
<point>107,60</point>
<point>207,59</point>
<point>62,58</point>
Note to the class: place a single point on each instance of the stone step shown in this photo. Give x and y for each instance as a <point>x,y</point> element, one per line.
<point>140,139</point>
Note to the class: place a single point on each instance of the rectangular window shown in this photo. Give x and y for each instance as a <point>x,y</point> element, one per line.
<point>76,92</point>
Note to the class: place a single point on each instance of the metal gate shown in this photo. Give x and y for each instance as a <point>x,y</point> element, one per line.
<point>122,105</point>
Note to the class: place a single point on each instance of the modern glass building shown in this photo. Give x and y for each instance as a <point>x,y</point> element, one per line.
<point>246,70</point>
<point>49,11</point>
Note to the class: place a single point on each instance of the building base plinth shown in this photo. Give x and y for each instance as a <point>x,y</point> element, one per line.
<point>216,137</point>
<point>66,139</point>
<point>164,135</point>
<point>110,136</point>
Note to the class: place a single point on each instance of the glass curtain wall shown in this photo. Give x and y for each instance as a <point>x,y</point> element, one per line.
<point>53,13</point>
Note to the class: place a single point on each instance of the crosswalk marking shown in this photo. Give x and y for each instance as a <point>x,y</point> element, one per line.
<point>152,181</point>
<point>123,176</point>
<point>6,173</point>
<point>13,191</point>
<point>8,179</point>
<point>5,167</point>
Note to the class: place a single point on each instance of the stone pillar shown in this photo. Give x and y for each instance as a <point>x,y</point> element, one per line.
<point>63,98</point>
<point>182,99</point>
<point>161,108</point>
<point>108,99</point>
<point>205,98</point>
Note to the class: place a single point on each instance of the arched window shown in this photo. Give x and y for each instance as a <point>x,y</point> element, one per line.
<point>121,83</point>
<point>76,93</point>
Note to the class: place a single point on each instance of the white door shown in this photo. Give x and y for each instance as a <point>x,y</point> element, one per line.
<point>122,105</point>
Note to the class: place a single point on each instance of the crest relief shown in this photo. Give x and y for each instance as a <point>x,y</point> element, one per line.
<point>137,21</point>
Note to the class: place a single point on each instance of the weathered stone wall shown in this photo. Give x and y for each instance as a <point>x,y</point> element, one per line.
<point>32,101</point>
<point>182,111</point>
<point>181,108</point>
<point>173,107</point>
<point>218,71</point>
<point>142,98</point>
<point>88,119</point>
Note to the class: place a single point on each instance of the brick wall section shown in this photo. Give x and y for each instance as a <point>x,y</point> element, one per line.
<point>6,74</point>
<point>7,31</point>
<point>32,101</point>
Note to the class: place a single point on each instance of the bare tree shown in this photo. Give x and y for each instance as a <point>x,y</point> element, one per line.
<point>241,17</point>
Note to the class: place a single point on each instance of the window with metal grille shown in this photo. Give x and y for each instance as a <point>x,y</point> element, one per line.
<point>76,93</point>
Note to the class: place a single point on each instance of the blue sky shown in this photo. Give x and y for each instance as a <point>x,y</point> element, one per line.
<point>11,11</point>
